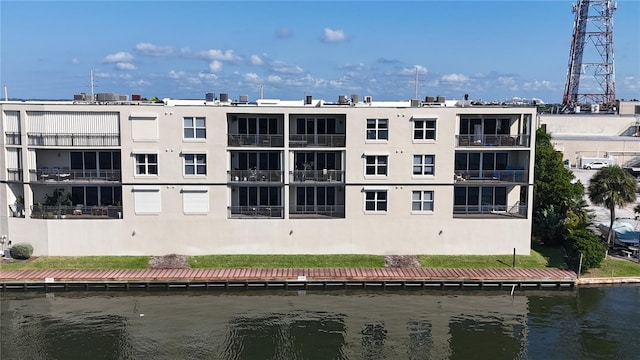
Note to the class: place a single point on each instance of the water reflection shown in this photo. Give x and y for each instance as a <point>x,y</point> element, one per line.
<point>581,324</point>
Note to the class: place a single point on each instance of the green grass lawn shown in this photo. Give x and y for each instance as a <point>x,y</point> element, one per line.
<point>286,261</point>
<point>79,262</point>
<point>612,267</point>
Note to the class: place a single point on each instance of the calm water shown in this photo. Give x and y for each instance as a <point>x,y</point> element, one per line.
<point>589,323</point>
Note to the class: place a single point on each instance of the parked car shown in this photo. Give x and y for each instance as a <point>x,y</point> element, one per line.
<point>596,165</point>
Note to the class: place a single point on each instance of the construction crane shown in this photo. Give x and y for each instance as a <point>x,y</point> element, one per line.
<point>591,55</point>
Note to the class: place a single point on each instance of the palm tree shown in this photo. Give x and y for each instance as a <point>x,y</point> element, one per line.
<point>612,187</point>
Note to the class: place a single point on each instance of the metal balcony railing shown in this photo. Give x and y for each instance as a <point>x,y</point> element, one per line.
<point>313,211</point>
<point>316,175</point>
<point>512,176</point>
<point>256,212</point>
<point>260,140</point>
<point>55,175</point>
<point>324,140</point>
<point>518,210</point>
<point>518,140</point>
<point>274,176</point>
<point>84,140</point>
<point>14,175</point>
<point>76,212</point>
<point>12,138</point>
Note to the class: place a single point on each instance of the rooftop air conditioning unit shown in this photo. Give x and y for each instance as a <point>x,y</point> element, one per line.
<point>367,99</point>
<point>244,98</point>
<point>342,99</point>
<point>415,102</point>
<point>224,97</point>
<point>308,100</point>
<point>354,99</point>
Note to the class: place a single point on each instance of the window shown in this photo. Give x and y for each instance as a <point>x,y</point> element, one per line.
<point>375,201</point>
<point>424,164</point>
<point>424,129</point>
<point>422,200</point>
<point>377,129</point>
<point>146,164</point>
<point>376,165</point>
<point>195,164</point>
<point>195,200</point>
<point>194,128</point>
<point>146,200</point>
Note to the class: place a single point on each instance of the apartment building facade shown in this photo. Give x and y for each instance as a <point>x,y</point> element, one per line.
<point>271,177</point>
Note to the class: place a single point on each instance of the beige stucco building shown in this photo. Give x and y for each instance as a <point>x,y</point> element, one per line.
<point>268,177</point>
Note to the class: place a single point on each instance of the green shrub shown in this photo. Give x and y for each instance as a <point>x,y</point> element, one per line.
<point>592,248</point>
<point>21,251</point>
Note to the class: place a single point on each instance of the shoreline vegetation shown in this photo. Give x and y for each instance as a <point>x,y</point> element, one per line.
<point>540,258</point>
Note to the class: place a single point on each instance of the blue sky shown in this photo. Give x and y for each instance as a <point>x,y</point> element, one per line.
<point>491,50</point>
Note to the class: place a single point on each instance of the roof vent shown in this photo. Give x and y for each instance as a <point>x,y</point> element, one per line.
<point>368,99</point>
<point>308,100</point>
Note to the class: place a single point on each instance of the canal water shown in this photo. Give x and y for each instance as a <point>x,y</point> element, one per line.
<point>585,323</point>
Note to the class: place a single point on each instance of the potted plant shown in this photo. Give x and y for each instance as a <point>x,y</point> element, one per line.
<point>19,206</point>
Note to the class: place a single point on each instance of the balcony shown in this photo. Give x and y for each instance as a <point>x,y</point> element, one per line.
<point>12,138</point>
<point>260,140</point>
<point>314,140</point>
<point>14,175</point>
<point>67,175</point>
<point>509,176</point>
<point>493,140</point>
<point>76,212</point>
<point>272,176</point>
<point>517,210</point>
<point>255,212</point>
<point>84,140</point>
<point>316,211</point>
<point>325,175</point>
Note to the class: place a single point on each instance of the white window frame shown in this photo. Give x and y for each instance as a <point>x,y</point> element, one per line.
<point>195,164</point>
<point>147,200</point>
<point>423,165</point>
<point>377,129</point>
<point>376,165</point>
<point>194,127</point>
<point>146,164</point>
<point>424,129</point>
<point>376,200</point>
<point>195,200</point>
<point>421,200</point>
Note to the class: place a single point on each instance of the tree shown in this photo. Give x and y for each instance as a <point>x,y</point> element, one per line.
<point>612,187</point>
<point>555,187</point>
<point>586,243</point>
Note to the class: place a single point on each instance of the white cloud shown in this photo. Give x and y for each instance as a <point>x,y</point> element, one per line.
<point>155,50</point>
<point>274,79</point>
<point>125,66</point>
<point>454,78</point>
<point>412,71</point>
<point>219,55</point>
<point>215,66</point>
<point>256,60</point>
<point>283,68</point>
<point>176,74</point>
<point>251,77</point>
<point>75,61</point>
<point>330,35</point>
<point>118,57</point>
<point>101,75</point>
<point>631,83</point>
<point>207,76</point>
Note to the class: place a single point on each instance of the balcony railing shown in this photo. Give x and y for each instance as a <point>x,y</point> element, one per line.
<point>274,176</point>
<point>76,212</point>
<point>317,211</point>
<point>493,140</point>
<point>261,140</point>
<point>517,210</point>
<point>12,138</point>
<point>14,175</point>
<point>55,175</point>
<point>513,176</point>
<point>256,212</point>
<point>324,140</point>
<point>87,140</point>
<point>316,175</point>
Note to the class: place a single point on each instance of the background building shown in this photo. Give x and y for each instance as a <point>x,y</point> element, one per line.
<point>221,176</point>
